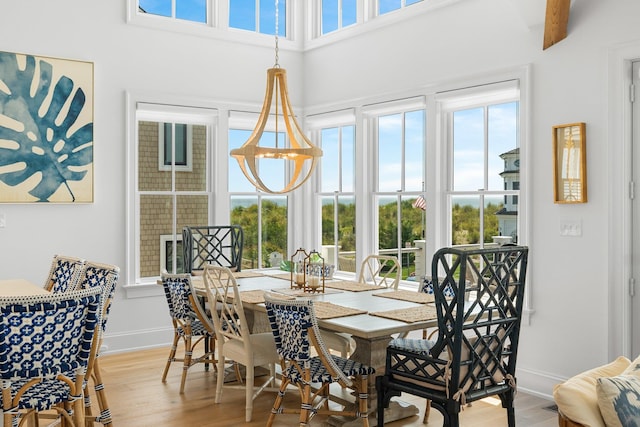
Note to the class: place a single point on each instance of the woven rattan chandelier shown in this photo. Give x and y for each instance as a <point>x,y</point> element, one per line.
<point>299,150</point>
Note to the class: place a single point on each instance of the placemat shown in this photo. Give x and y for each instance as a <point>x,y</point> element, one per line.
<point>246,274</point>
<point>347,285</point>
<point>300,293</point>
<point>405,295</point>
<point>252,297</point>
<point>329,310</point>
<point>409,315</point>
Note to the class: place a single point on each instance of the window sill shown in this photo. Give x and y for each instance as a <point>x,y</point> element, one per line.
<point>143,290</point>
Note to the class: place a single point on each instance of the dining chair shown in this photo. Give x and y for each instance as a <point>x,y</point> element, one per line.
<point>235,342</point>
<point>297,335</point>
<point>474,353</point>
<point>379,270</point>
<point>63,274</point>
<point>105,278</point>
<point>45,347</point>
<point>191,325</point>
<point>212,244</point>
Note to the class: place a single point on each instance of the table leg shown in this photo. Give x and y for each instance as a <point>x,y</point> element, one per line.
<point>373,352</point>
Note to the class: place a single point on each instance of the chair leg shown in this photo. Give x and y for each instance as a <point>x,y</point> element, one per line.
<point>220,376</point>
<point>427,411</point>
<point>101,396</point>
<point>172,355</point>
<point>249,392</point>
<point>305,404</point>
<point>363,398</point>
<point>187,361</point>
<point>278,402</point>
<point>511,417</point>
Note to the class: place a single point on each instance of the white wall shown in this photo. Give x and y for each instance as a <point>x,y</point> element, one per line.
<point>570,276</point>
<point>569,331</point>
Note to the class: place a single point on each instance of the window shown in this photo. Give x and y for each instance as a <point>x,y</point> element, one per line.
<point>263,217</point>
<point>258,16</point>
<point>386,6</point>
<point>166,199</point>
<point>189,10</point>
<point>400,182</point>
<point>337,14</point>
<point>182,134</point>
<point>484,177</point>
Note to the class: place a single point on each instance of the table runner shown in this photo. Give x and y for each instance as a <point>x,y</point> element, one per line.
<point>405,295</point>
<point>329,310</point>
<point>409,315</point>
<point>246,274</point>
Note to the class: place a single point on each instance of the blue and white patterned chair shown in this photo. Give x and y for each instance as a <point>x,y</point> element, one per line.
<point>190,324</point>
<point>64,273</point>
<point>296,332</point>
<point>45,347</point>
<point>104,277</point>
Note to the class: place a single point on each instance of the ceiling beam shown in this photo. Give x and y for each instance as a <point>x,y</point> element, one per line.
<point>555,23</point>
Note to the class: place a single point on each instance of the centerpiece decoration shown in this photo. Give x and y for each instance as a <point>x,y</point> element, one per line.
<point>307,271</point>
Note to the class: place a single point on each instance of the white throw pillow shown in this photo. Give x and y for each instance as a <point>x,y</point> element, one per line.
<point>619,400</point>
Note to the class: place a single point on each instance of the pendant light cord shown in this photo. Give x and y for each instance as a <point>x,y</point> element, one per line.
<point>277,19</point>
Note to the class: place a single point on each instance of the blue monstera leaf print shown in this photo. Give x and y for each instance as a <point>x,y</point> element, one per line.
<point>39,136</point>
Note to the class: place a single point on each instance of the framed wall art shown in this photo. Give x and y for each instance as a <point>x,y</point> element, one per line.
<point>46,129</point>
<point>570,163</point>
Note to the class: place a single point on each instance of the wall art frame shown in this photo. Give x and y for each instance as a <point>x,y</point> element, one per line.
<point>46,129</point>
<point>570,163</point>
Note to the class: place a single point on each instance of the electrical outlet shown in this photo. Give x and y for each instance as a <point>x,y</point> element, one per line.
<point>571,227</point>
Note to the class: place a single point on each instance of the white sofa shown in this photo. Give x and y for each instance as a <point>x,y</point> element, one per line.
<point>606,396</point>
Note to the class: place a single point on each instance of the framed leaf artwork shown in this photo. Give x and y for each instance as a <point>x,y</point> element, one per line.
<point>46,129</point>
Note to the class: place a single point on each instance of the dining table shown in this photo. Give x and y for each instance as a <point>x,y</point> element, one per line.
<point>20,287</point>
<point>370,314</point>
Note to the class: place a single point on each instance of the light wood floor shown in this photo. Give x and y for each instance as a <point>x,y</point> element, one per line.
<point>138,398</point>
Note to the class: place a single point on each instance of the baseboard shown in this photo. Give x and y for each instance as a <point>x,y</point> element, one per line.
<point>537,383</point>
<point>136,340</point>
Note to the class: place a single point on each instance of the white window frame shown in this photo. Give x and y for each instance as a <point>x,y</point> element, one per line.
<point>162,166</point>
<point>158,108</point>
<point>316,124</point>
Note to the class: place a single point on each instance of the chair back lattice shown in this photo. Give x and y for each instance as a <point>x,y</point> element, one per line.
<point>228,318</point>
<point>64,273</point>
<point>184,305</point>
<point>479,298</point>
<point>296,333</point>
<point>45,335</point>
<point>382,270</point>
<point>212,244</point>
<point>481,333</point>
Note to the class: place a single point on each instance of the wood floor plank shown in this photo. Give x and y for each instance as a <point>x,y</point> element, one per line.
<point>138,398</point>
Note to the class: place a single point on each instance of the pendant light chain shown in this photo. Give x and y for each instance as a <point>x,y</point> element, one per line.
<point>277,19</point>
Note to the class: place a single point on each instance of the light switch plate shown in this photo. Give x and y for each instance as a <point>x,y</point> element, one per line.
<point>571,227</point>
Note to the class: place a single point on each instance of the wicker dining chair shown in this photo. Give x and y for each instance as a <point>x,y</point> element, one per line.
<point>474,354</point>
<point>45,347</point>
<point>297,335</point>
<point>105,278</point>
<point>63,274</point>
<point>234,340</point>
<point>191,325</point>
